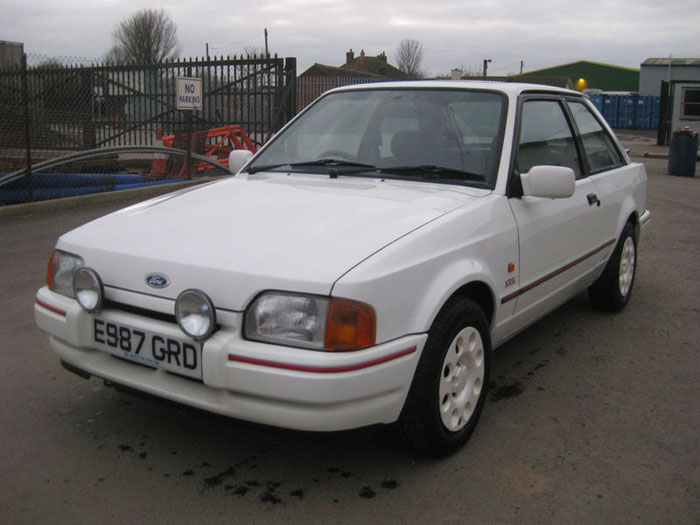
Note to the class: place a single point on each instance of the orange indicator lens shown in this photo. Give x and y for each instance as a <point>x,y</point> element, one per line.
<point>350,325</point>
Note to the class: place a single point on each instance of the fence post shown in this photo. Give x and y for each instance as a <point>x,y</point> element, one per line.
<point>290,74</point>
<point>27,126</point>
<point>87,95</point>
<point>664,114</point>
<point>188,120</point>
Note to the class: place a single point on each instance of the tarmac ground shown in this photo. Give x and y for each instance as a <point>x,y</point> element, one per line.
<point>592,417</point>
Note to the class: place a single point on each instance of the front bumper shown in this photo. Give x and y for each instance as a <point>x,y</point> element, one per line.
<point>269,384</point>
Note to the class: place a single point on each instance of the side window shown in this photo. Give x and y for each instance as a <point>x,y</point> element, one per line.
<point>546,137</point>
<point>598,147</point>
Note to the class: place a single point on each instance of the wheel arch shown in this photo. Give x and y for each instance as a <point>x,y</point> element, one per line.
<point>628,214</point>
<point>481,294</point>
<point>633,219</point>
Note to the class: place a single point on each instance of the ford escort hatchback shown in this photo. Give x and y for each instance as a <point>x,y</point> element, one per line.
<point>361,267</point>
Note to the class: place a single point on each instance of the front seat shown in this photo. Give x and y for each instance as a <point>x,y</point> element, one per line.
<point>409,148</point>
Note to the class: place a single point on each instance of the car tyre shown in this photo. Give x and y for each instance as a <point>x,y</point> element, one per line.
<point>612,290</point>
<point>449,387</point>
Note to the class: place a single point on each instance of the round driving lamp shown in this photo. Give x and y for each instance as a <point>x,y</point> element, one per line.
<point>195,314</point>
<point>87,287</point>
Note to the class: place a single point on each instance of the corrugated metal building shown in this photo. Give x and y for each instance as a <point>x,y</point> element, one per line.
<point>656,70</point>
<point>593,75</point>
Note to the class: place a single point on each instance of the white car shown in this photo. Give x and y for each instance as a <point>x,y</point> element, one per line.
<point>361,267</point>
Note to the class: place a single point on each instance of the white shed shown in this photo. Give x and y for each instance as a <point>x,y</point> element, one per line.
<point>655,70</point>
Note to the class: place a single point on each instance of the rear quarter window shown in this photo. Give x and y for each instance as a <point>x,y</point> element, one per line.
<point>599,148</point>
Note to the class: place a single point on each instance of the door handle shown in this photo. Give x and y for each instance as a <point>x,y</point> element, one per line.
<point>593,199</point>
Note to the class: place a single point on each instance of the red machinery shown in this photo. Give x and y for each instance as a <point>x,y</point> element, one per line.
<point>216,143</point>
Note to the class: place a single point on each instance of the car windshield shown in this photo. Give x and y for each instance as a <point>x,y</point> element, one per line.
<point>441,135</point>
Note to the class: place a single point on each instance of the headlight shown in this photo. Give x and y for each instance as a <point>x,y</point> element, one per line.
<point>87,287</point>
<point>288,319</point>
<point>195,314</point>
<point>313,322</point>
<point>59,275</point>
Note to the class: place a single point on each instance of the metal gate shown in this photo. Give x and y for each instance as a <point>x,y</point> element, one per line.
<point>49,110</point>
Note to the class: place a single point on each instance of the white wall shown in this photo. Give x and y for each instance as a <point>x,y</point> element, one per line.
<point>650,77</point>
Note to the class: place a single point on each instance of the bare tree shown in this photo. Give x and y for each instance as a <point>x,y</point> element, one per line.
<point>49,63</point>
<point>254,51</point>
<point>149,36</point>
<point>408,57</point>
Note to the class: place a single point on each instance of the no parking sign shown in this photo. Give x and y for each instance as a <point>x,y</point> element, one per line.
<point>189,93</point>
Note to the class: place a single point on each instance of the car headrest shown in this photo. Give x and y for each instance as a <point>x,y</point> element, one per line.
<point>408,146</point>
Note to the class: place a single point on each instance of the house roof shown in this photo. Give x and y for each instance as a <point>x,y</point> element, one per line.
<point>333,71</point>
<point>362,66</point>
<point>377,65</point>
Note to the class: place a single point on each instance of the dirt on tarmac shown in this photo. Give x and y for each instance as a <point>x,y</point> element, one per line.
<point>592,417</point>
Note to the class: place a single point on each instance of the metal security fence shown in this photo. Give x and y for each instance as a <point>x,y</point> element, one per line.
<point>52,109</point>
<point>312,87</point>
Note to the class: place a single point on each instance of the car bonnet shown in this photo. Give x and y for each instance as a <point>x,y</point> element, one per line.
<point>237,237</point>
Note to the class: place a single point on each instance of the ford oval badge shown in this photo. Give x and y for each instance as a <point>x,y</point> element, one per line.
<point>157,280</point>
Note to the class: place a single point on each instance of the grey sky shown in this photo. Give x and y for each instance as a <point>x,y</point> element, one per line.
<point>453,33</point>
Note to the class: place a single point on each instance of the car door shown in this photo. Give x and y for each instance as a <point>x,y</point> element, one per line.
<point>560,240</point>
<point>606,165</point>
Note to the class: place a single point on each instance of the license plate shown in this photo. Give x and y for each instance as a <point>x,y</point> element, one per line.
<point>177,355</point>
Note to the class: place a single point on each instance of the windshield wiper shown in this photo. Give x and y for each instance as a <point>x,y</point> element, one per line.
<point>425,171</point>
<point>329,161</point>
<point>431,171</point>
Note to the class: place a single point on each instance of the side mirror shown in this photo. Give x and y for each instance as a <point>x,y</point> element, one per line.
<point>552,182</point>
<point>237,159</point>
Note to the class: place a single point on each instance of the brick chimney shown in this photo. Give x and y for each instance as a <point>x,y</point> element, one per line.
<point>382,57</point>
<point>349,57</point>
<point>362,59</point>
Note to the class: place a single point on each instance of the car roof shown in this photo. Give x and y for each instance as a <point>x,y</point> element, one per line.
<point>509,88</point>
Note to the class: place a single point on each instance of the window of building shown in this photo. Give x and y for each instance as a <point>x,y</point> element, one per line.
<point>690,104</point>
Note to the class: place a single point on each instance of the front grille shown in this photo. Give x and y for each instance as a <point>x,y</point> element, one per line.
<point>144,312</point>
